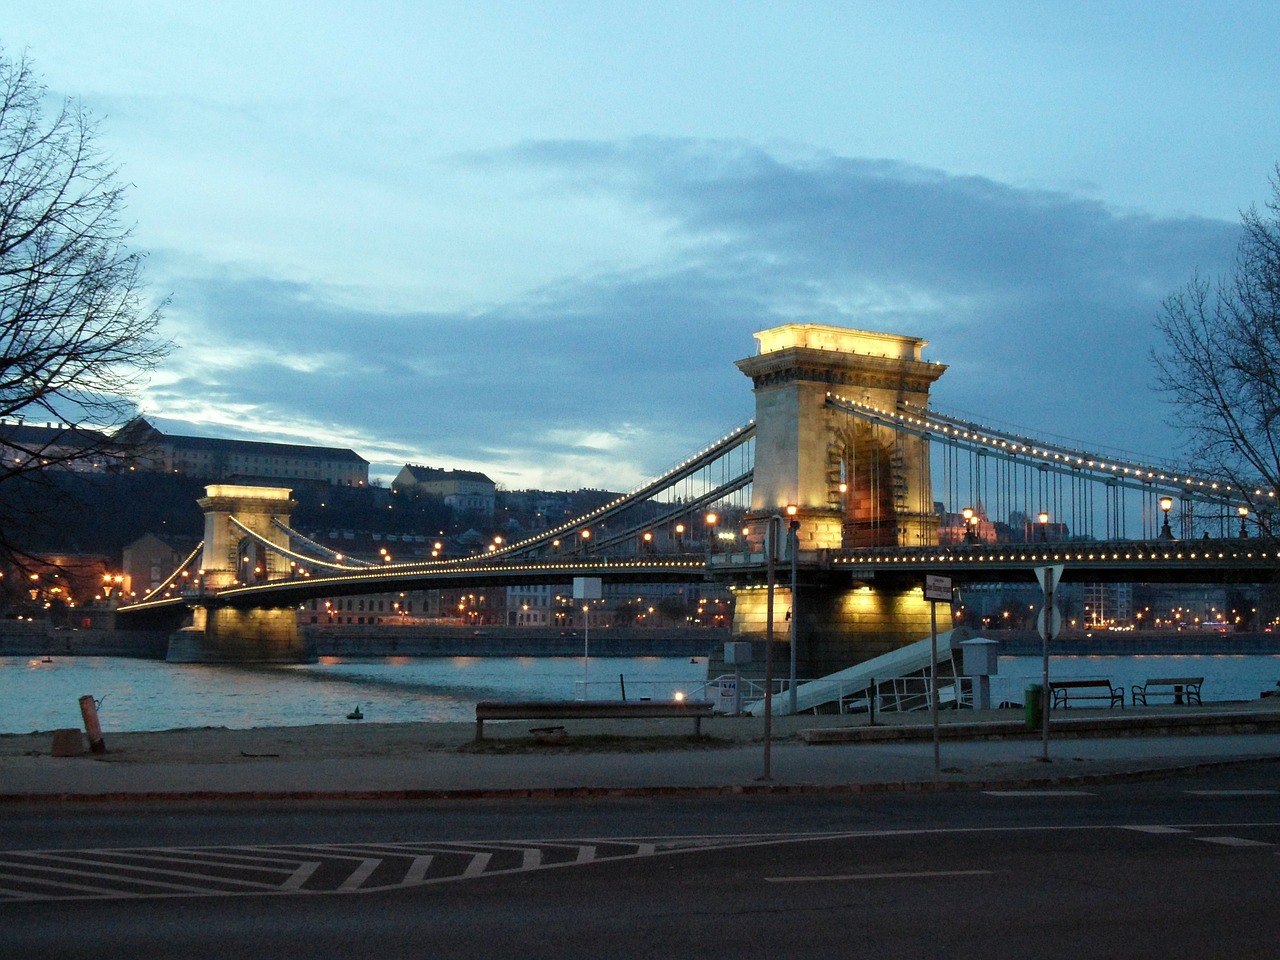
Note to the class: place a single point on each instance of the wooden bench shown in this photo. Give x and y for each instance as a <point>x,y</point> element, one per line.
<point>590,710</point>
<point>1065,691</point>
<point>1180,689</point>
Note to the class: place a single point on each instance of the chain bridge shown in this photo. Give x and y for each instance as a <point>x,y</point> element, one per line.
<point>847,476</point>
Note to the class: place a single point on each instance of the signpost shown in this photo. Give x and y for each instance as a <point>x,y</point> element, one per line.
<point>936,590</point>
<point>1049,624</point>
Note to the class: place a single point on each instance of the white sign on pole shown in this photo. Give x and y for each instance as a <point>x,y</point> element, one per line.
<point>937,589</point>
<point>1049,577</point>
<point>1055,622</point>
<point>586,588</point>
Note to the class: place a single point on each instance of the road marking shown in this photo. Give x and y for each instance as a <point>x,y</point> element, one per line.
<point>1232,793</point>
<point>359,875</point>
<point>1156,829</point>
<point>1039,793</point>
<point>1234,842</point>
<point>880,876</point>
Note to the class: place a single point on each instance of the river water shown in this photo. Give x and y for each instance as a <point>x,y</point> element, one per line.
<point>36,694</point>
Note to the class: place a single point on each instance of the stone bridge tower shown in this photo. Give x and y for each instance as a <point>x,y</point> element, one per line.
<point>805,449</point>
<point>220,634</point>
<point>224,557</point>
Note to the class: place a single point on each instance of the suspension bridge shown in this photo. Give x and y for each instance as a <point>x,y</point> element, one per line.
<point>846,460</point>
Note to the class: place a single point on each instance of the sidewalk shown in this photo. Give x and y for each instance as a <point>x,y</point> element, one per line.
<point>987,749</point>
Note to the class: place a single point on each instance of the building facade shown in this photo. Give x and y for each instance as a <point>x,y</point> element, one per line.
<point>216,459</point>
<point>464,490</point>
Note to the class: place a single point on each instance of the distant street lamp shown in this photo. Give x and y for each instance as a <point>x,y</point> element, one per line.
<point>712,520</point>
<point>1166,504</point>
<point>1044,526</point>
<point>1244,516</point>
<point>970,523</point>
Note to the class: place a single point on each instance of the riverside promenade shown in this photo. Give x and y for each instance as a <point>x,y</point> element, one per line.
<point>430,761</point>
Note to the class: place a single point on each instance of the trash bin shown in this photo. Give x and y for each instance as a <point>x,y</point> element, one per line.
<point>1035,706</point>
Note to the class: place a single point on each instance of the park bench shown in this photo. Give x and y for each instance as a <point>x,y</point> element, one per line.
<point>1180,689</point>
<point>590,710</point>
<point>1065,691</point>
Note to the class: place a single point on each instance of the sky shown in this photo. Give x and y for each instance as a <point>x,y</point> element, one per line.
<point>531,239</point>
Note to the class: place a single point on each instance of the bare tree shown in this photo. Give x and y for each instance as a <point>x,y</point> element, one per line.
<point>1219,362</point>
<point>77,335</point>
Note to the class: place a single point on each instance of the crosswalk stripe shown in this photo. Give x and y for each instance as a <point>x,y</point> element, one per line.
<point>478,862</point>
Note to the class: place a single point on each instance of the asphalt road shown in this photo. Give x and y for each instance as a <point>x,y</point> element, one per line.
<point>1186,866</point>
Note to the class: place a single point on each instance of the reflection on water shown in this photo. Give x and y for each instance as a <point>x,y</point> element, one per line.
<point>153,695</point>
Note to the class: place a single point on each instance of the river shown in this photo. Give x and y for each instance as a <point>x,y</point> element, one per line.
<point>40,694</point>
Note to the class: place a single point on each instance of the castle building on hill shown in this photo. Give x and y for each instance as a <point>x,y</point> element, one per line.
<point>464,490</point>
<point>212,458</point>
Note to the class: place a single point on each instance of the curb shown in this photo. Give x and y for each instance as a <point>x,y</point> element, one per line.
<point>1151,725</point>
<point>577,793</point>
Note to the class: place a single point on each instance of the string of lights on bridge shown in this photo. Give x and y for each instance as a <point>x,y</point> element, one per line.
<point>953,428</point>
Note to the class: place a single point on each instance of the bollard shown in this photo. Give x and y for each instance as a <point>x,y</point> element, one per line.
<point>1034,706</point>
<point>89,710</point>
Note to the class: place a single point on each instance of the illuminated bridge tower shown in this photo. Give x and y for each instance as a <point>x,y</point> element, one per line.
<point>220,634</point>
<point>853,484</point>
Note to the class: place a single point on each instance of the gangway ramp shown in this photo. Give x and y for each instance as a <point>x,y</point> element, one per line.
<point>914,659</point>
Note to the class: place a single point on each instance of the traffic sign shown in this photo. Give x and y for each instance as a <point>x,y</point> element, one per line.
<point>1049,577</point>
<point>937,589</point>
<point>1055,622</point>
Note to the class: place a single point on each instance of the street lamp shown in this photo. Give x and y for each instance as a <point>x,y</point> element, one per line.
<point>712,520</point>
<point>1166,504</point>
<point>793,547</point>
<point>1044,525</point>
<point>970,522</point>
<point>1244,515</point>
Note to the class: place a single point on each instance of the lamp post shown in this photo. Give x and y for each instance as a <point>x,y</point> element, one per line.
<point>712,520</point>
<point>1244,516</point>
<point>1166,504</point>
<point>771,554</point>
<point>793,547</point>
<point>970,523</point>
<point>1044,526</point>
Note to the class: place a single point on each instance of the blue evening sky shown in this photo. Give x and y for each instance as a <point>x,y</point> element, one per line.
<point>532,238</point>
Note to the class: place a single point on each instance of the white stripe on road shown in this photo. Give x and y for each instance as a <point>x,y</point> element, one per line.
<point>359,875</point>
<point>1234,841</point>
<point>879,876</point>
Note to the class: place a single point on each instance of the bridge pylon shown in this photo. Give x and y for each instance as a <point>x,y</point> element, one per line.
<point>220,634</point>
<point>852,483</point>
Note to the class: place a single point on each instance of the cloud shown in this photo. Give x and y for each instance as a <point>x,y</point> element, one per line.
<point>1041,303</point>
